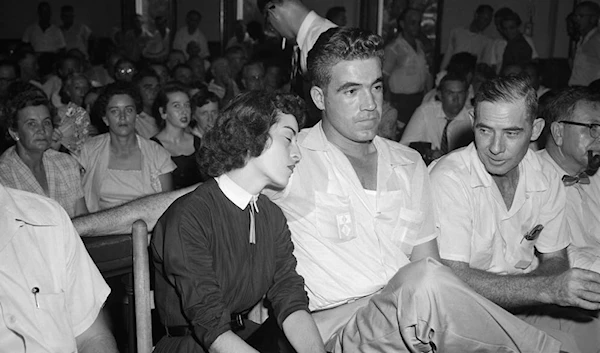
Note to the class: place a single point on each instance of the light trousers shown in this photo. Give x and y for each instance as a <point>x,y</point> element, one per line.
<point>426,308</point>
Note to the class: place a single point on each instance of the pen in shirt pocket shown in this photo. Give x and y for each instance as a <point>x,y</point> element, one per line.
<point>35,291</point>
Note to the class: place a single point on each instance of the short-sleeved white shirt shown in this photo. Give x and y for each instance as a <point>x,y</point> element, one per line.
<point>582,214</point>
<point>183,37</point>
<point>349,242</point>
<point>586,64</point>
<point>49,41</point>
<point>39,248</point>
<point>475,225</point>
<point>406,67</point>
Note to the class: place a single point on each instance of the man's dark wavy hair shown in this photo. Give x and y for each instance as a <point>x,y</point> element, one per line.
<point>341,44</point>
<point>241,131</point>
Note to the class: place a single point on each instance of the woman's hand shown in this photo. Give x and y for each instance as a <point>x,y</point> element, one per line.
<point>56,138</point>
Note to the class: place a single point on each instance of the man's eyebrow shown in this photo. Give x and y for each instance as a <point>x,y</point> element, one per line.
<point>347,85</point>
<point>512,128</point>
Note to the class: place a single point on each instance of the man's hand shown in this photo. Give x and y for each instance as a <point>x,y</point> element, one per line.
<point>574,287</point>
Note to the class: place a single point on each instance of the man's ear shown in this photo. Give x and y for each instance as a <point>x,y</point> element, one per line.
<point>538,127</point>
<point>105,119</point>
<point>318,97</point>
<point>557,131</point>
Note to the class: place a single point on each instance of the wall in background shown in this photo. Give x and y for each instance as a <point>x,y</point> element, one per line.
<point>460,13</point>
<point>100,15</point>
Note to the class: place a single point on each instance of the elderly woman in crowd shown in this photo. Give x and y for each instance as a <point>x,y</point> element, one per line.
<point>120,165</point>
<point>31,165</point>
<point>173,113</point>
<point>206,111</point>
<point>71,118</point>
<point>221,249</point>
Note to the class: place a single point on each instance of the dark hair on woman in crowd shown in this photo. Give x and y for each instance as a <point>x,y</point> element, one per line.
<point>203,97</point>
<point>115,89</point>
<point>162,99</point>
<point>23,96</point>
<point>242,130</point>
<point>341,44</point>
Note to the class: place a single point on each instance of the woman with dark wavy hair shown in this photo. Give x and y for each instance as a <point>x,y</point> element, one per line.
<point>223,248</point>
<point>120,165</point>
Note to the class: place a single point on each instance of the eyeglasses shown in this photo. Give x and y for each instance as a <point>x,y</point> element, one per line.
<point>126,71</point>
<point>594,127</point>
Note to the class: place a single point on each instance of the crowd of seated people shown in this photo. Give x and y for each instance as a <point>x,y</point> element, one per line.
<point>411,202</point>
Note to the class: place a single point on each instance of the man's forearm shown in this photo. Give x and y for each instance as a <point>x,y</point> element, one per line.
<point>508,291</point>
<point>118,220</point>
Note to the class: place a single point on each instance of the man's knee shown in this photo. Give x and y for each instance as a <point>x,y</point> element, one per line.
<point>426,274</point>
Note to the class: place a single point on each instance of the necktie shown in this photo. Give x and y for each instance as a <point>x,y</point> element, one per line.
<point>295,63</point>
<point>581,178</point>
<point>444,143</point>
<point>253,209</point>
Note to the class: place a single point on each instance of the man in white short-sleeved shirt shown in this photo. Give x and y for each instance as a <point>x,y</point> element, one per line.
<point>191,33</point>
<point>43,36</point>
<point>450,117</point>
<point>573,116</point>
<point>294,21</point>
<point>360,211</point>
<point>501,216</point>
<point>52,292</point>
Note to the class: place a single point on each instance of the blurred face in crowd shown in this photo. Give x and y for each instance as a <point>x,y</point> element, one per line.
<point>67,17</point>
<point>178,111</point>
<point>412,23</point>
<point>236,60</point>
<point>352,101</point>
<point>175,58</point>
<point>453,96</point>
<point>193,21</point>
<point>149,87</point>
<point>34,129</point>
<point>120,115</point>
<point>8,75</point>
<point>206,115</point>
<point>125,71</point>
<point>69,66</point>
<point>78,89</point>
<point>220,70</point>
<point>510,29</point>
<point>162,72</point>
<point>483,19</point>
<point>253,77</point>
<point>29,67</point>
<point>273,78</point>
<point>585,19</point>
<point>44,12</point>
<point>574,140</point>
<point>502,135</point>
<point>183,74</point>
<point>198,69</point>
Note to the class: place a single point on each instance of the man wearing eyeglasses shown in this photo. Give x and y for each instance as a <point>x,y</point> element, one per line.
<point>501,216</point>
<point>572,148</point>
<point>586,64</point>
